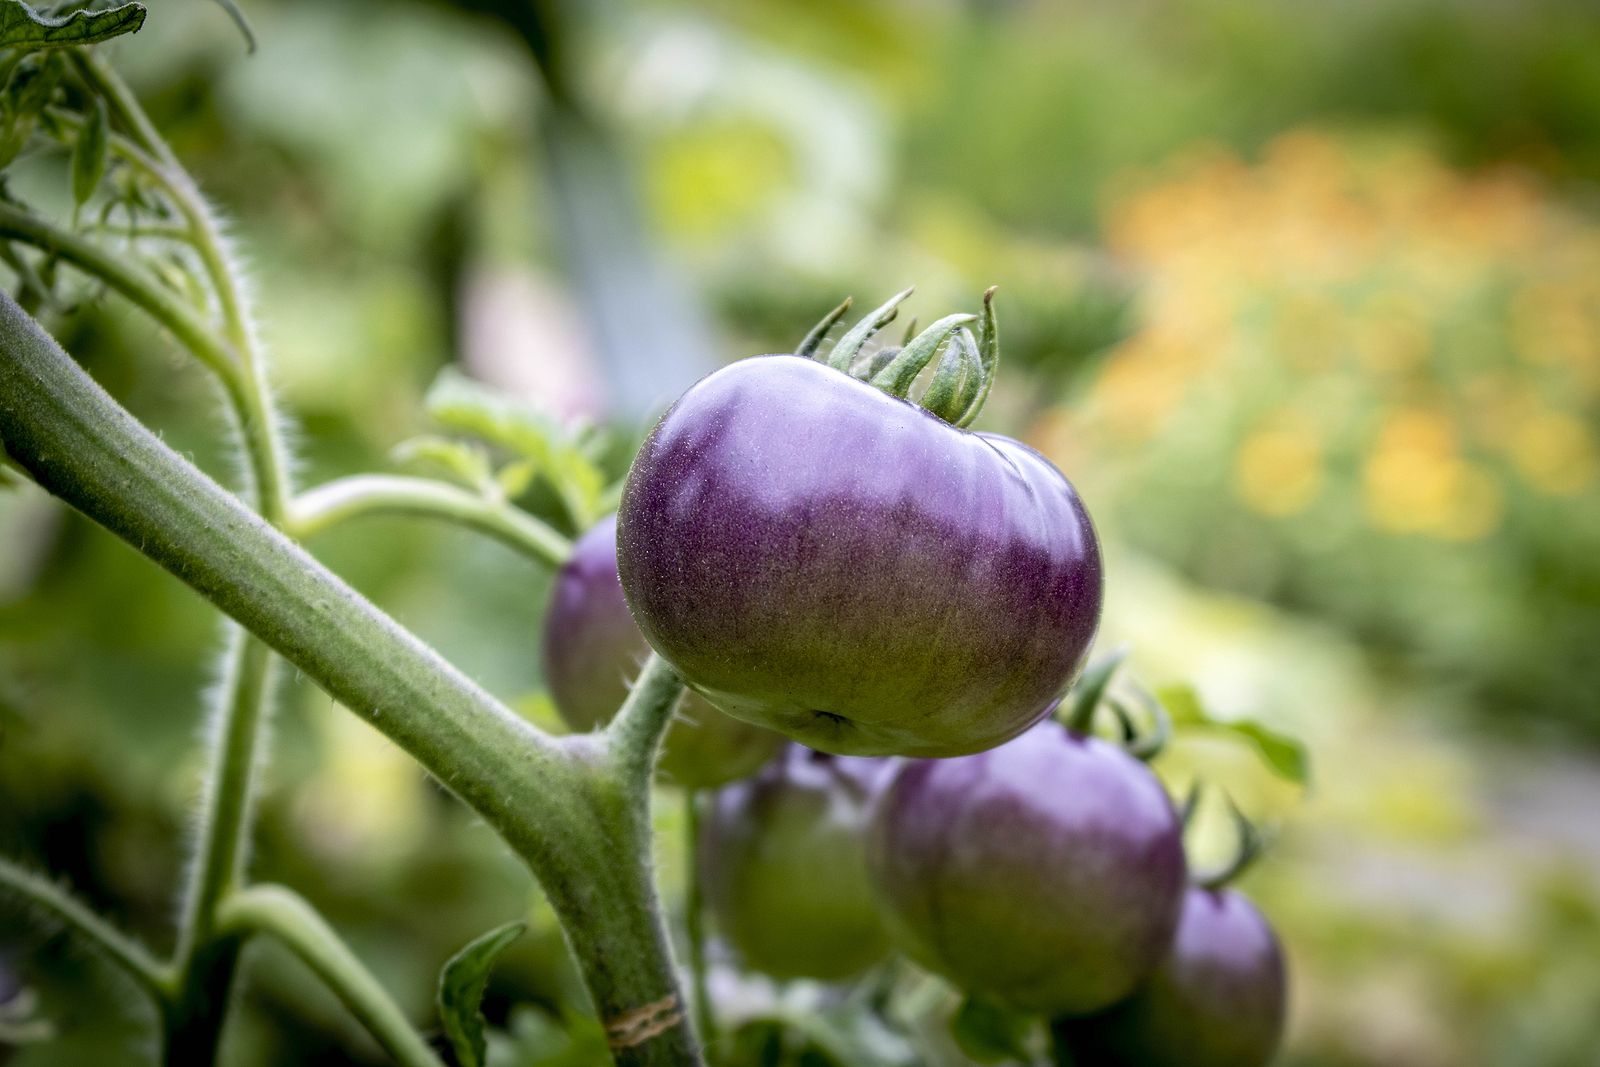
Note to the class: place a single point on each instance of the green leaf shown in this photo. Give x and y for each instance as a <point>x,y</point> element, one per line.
<point>551,450</point>
<point>461,986</point>
<point>1286,756</point>
<point>90,154</point>
<point>992,1033</point>
<point>458,460</point>
<point>23,27</point>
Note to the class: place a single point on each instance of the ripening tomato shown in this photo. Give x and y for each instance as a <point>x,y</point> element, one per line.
<point>1047,872</point>
<point>783,862</point>
<point>843,566</point>
<point>1217,1000</point>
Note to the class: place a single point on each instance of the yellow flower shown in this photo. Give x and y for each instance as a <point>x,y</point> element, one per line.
<point>1555,452</point>
<point>1278,471</point>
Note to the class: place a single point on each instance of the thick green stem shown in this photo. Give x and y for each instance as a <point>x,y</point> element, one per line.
<point>582,828</point>
<point>116,946</point>
<point>279,912</point>
<point>374,494</point>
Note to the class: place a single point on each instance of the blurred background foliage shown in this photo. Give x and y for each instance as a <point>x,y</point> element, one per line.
<point>1306,299</point>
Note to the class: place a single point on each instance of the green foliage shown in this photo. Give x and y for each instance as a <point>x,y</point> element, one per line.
<point>90,154</point>
<point>461,986</point>
<point>1285,756</point>
<point>21,26</point>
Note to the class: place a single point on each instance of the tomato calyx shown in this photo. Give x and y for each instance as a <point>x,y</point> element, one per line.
<point>1250,842</point>
<point>960,381</point>
<point>1144,727</point>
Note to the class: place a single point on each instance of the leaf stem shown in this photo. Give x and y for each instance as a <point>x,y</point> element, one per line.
<point>124,951</point>
<point>281,913</point>
<point>374,494</point>
<point>577,810</point>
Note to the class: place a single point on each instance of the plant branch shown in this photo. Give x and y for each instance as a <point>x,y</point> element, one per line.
<point>374,494</point>
<point>282,914</point>
<point>582,829</point>
<point>135,283</point>
<point>117,946</point>
<point>634,736</point>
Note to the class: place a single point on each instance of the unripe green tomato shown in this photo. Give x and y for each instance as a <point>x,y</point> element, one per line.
<point>783,861</point>
<point>592,650</point>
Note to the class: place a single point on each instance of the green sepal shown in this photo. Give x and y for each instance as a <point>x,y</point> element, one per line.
<point>849,347</point>
<point>1091,687</point>
<point>23,27</point>
<point>958,371</point>
<point>819,333</point>
<point>1250,844</point>
<point>988,357</point>
<point>245,29</point>
<point>869,367</point>
<point>461,986</point>
<point>902,371</point>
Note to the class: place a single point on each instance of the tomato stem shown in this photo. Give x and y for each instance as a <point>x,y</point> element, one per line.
<point>694,918</point>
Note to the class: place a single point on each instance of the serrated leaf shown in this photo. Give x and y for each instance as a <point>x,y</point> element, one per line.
<point>461,986</point>
<point>550,450</point>
<point>1284,755</point>
<point>90,154</point>
<point>991,1033</point>
<point>23,27</point>
<point>463,462</point>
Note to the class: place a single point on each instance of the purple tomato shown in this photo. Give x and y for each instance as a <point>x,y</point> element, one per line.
<point>783,862</point>
<point>1217,1000</point>
<point>592,650</point>
<point>818,557</point>
<point>1047,872</point>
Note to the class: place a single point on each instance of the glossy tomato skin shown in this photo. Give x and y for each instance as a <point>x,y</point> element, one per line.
<point>593,649</point>
<point>821,558</point>
<point>1047,872</point>
<point>782,859</point>
<point>1217,1000</point>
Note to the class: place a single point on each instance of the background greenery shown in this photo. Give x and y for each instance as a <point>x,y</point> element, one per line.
<point>1306,299</point>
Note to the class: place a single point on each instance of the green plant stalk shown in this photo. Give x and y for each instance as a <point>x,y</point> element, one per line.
<point>206,960</point>
<point>694,907</point>
<point>575,810</point>
<point>374,494</point>
<point>282,914</point>
<point>133,958</point>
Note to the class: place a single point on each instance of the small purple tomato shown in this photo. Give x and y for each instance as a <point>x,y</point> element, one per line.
<point>592,649</point>
<point>1217,1000</point>
<point>838,564</point>
<point>782,858</point>
<point>1047,872</point>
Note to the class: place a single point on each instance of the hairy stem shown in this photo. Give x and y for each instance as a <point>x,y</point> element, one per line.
<point>695,918</point>
<point>116,946</point>
<point>282,914</point>
<point>374,494</point>
<point>581,827</point>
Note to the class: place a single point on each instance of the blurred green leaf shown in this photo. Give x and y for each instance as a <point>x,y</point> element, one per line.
<point>90,153</point>
<point>23,27</point>
<point>461,986</point>
<point>991,1033</point>
<point>549,449</point>
<point>1283,754</point>
<point>463,462</point>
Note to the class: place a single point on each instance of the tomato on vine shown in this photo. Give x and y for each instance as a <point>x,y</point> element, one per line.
<point>817,554</point>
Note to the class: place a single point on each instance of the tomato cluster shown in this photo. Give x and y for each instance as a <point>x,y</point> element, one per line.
<point>822,558</point>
